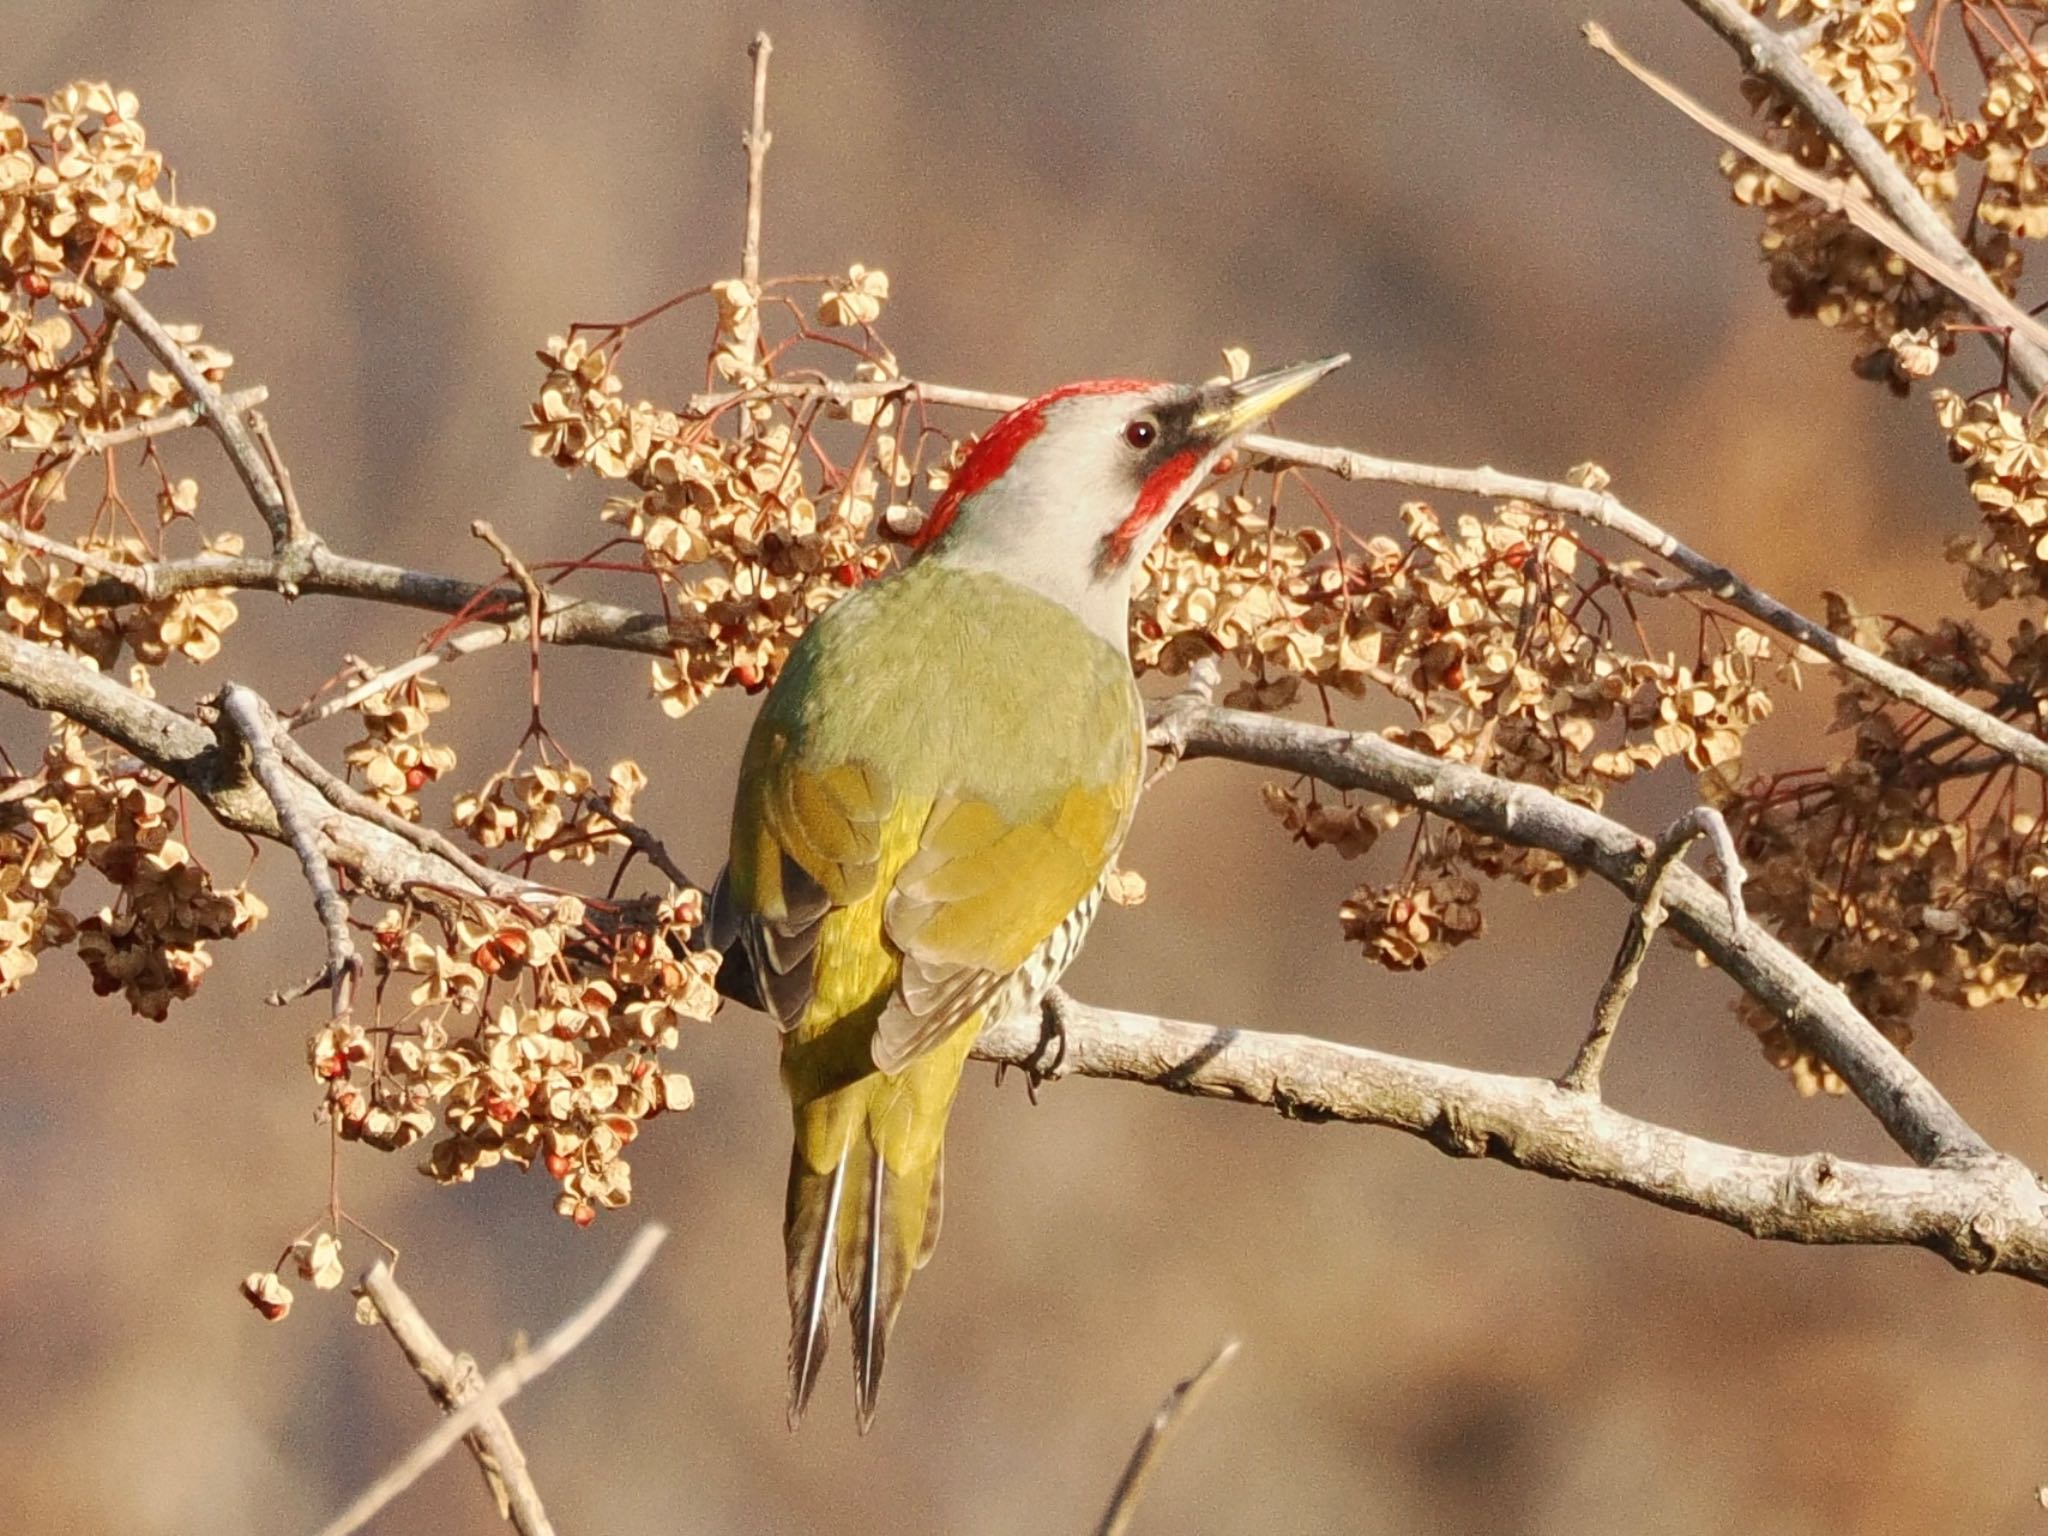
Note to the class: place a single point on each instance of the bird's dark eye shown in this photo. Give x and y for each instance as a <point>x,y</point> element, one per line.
<point>1141,433</point>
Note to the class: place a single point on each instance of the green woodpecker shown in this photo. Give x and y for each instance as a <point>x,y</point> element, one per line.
<point>932,796</point>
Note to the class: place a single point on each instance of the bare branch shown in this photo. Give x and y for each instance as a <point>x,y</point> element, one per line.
<point>1985,1213</point>
<point>467,643</point>
<point>1583,1076</point>
<point>1814,1009</point>
<point>380,862</point>
<point>225,424</point>
<point>1899,218</point>
<point>755,141</point>
<point>455,1381</point>
<point>322,572</point>
<point>1186,1395</point>
<point>650,847</point>
<point>259,731</point>
<point>476,1410</point>
<point>170,421</point>
<point>295,519</point>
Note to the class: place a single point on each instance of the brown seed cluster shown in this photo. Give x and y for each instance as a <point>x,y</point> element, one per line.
<point>1819,263</point>
<point>2004,452</point>
<point>532,1037</point>
<point>748,551</point>
<point>150,943</point>
<point>85,205</point>
<point>1491,631</point>
<point>1915,864</point>
<point>43,598</point>
<point>548,810</point>
<point>1911,865</point>
<point>394,760</point>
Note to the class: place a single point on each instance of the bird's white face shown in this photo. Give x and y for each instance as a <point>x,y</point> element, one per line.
<point>1068,493</point>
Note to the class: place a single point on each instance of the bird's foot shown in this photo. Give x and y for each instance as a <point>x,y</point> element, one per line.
<point>1051,1054</point>
<point>1049,1057</point>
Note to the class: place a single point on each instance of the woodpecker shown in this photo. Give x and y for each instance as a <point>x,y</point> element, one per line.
<point>931,798</point>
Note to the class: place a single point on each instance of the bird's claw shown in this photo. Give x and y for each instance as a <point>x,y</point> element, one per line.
<point>1049,1056</point>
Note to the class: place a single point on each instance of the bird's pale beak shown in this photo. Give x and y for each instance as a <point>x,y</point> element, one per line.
<point>1236,408</point>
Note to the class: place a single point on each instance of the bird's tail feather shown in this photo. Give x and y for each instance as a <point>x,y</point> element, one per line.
<point>868,1227</point>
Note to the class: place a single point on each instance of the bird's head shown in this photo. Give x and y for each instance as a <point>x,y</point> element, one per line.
<point>1068,492</point>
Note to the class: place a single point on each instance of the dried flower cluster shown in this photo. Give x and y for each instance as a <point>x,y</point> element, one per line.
<point>150,943</point>
<point>531,1037</point>
<point>747,553</point>
<point>549,810</point>
<point>84,207</point>
<point>1820,264</point>
<point>394,760</point>
<point>1490,631</point>
<point>1912,866</point>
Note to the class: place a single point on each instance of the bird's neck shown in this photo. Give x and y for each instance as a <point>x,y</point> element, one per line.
<point>1102,604</point>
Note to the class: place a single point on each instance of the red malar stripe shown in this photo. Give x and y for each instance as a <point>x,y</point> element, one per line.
<point>996,450</point>
<point>1159,488</point>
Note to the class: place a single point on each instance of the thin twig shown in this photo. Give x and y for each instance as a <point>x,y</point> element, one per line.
<point>454,1380</point>
<point>501,1385</point>
<point>650,847</point>
<point>260,732</point>
<point>137,576</point>
<point>225,424</point>
<point>1583,1076</point>
<point>1898,218</point>
<point>171,421</point>
<point>467,643</point>
<point>323,573</point>
<point>295,518</point>
<point>1185,1397</point>
<point>756,140</point>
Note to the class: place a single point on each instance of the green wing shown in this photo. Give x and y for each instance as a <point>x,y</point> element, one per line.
<point>968,894</point>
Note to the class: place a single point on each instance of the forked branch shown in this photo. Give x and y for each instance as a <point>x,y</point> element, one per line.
<point>475,1406</point>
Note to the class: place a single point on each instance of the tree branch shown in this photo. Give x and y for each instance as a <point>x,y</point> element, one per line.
<point>382,863</point>
<point>288,540</point>
<point>1983,1214</point>
<point>1583,1076</point>
<point>1185,1397</point>
<point>476,1409</point>
<point>1814,1009</point>
<point>454,1382</point>
<point>170,421</point>
<point>1779,59</point>
<point>256,724</point>
<point>569,620</point>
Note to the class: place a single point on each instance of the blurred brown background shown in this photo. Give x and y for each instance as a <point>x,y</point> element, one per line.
<point>1534,264</point>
